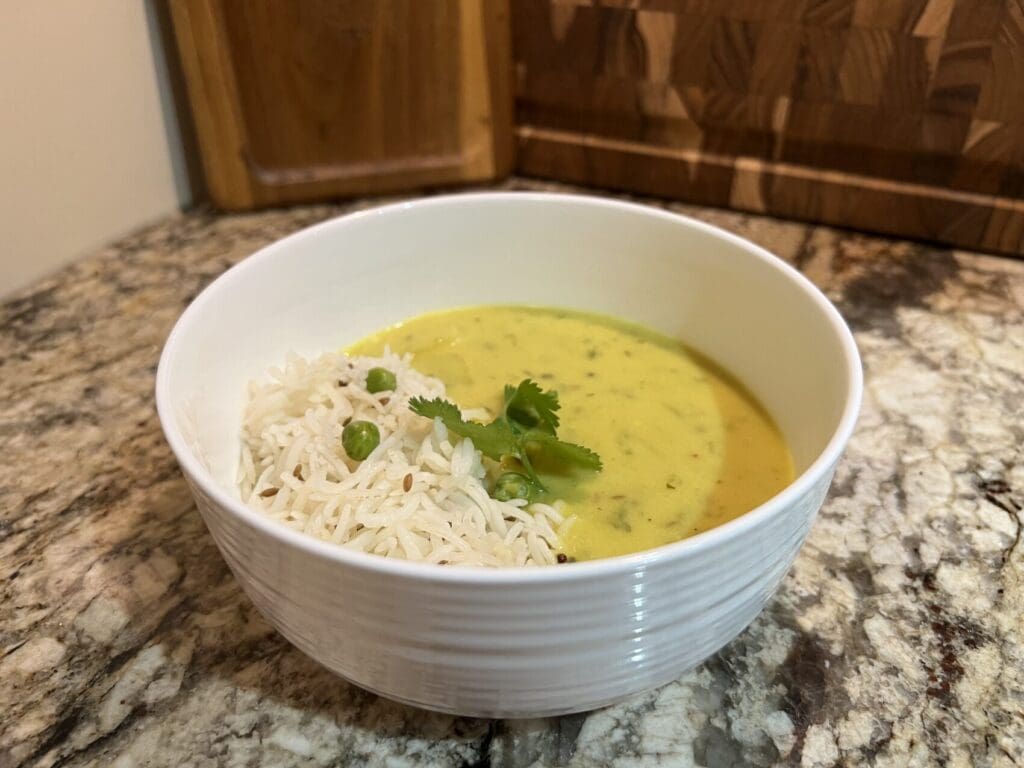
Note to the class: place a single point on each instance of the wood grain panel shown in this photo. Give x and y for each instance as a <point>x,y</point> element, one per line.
<point>867,56</point>
<point>305,99</point>
<point>1002,94</point>
<point>903,116</point>
<point>828,13</point>
<point>778,46</point>
<point>731,65</point>
<point>965,57</point>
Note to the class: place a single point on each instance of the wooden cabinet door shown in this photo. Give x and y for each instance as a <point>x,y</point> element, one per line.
<point>310,99</point>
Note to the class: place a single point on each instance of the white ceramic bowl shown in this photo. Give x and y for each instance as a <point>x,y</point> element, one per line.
<point>511,642</point>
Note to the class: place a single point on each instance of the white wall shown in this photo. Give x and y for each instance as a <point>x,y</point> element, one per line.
<point>89,141</point>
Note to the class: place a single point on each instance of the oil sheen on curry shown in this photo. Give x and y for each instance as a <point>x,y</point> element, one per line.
<point>684,446</point>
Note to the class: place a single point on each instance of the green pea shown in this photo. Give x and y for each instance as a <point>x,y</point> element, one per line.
<point>359,439</point>
<point>380,380</point>
<point>511,485</point>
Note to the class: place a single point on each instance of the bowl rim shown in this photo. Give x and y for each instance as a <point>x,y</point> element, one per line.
<point>505,575</point>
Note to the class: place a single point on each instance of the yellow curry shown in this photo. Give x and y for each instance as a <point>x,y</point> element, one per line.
<point>685,447</point>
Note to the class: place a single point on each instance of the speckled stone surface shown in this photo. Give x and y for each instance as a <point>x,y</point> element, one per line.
<point>897,639</point>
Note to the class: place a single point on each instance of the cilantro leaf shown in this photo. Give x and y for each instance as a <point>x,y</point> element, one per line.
<point>493,440</point>
<point>530,407</point>
<point>527,422</point>
<point>570,453</point>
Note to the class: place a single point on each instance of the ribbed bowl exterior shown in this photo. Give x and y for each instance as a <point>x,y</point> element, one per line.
<point>512,642</point>
<point>534,649</point>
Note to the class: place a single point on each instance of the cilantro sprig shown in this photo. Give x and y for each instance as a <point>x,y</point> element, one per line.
<point>526,429</point>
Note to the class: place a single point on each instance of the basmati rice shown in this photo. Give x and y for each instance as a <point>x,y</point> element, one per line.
<point>294,469</point>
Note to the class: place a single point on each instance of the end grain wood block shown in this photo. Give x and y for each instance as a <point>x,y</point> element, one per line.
<point>903,116</point>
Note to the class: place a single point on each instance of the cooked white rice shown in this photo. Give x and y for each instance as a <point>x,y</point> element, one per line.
<point>291,442</point>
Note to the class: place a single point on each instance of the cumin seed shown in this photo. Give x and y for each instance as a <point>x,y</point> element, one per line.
<point>268,492</point>
<point>407,482</point>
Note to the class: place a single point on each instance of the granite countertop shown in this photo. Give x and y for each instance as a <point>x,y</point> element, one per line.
<point>897,639</point>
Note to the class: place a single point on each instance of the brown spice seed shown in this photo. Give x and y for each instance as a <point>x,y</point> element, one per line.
<point>385,400</point>
<point>562,558</point>
<point>407,482</point>
<point>346,422</point>
<point>442,562</point>
<point>342,383</point>
<point>297,472</point>
<point>268,492</point>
